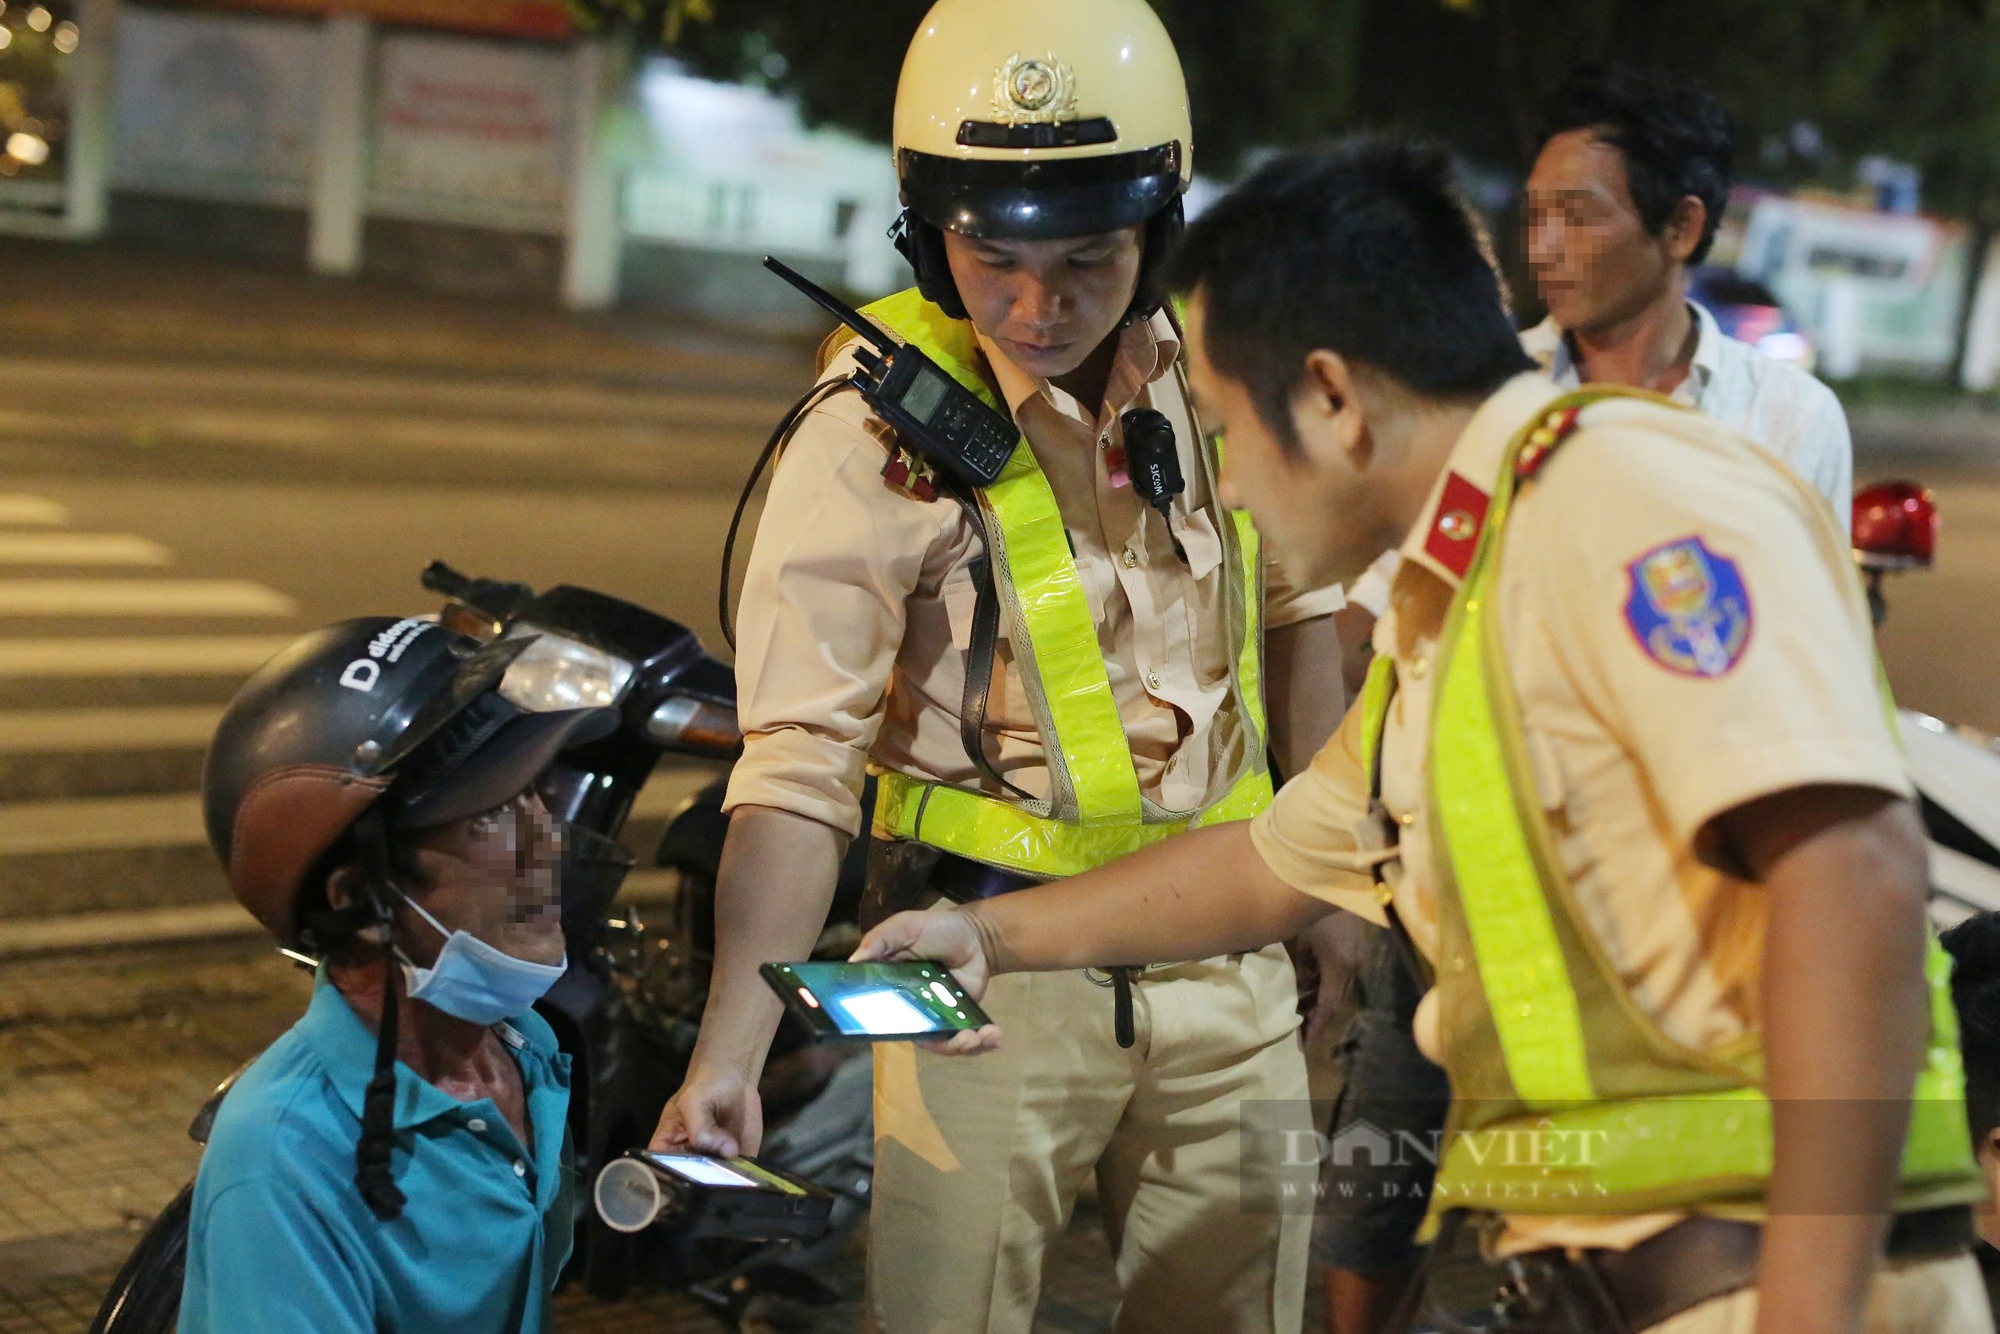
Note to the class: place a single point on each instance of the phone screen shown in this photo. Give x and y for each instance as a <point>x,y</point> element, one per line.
<point>886,999</point>
<point>707,1171</point>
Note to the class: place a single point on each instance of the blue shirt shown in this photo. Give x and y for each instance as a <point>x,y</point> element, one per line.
<point>281,1240</point>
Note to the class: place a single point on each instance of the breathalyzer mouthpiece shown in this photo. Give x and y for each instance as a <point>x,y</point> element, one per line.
<point>629,1195</point>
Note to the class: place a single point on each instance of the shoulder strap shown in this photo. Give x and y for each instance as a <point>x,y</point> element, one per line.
<point>980,652</point>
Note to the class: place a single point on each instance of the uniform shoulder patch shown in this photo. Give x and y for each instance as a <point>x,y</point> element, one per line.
<point>1688,608</point>
<point>1454,535</point>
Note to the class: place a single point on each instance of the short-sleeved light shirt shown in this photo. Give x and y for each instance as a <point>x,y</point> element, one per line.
<point>1632,755</point>
<point>281,1242</point>
<point>1778,405</point>
<point>858,600</point>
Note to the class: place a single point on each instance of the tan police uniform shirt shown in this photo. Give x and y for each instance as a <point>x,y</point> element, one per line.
<point>857,606</point>
<point>1636,745</point>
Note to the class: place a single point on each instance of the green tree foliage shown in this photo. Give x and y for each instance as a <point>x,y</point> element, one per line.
<point>1916,79</point>
<point>1259,71</point>
<point>663,21</point>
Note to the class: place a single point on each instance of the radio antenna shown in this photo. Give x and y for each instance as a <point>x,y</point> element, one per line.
<point>833,305</point>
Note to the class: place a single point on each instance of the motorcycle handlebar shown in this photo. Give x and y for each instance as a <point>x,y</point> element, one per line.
<point>498,599</point>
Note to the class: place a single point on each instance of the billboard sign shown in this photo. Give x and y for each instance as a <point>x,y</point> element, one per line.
<point>542,19</point>
<point>216,106</point>
<point>471,131</point>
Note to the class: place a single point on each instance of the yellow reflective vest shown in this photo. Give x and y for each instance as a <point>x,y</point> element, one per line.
<point>1094,812</point>
<point>1567,1099</point>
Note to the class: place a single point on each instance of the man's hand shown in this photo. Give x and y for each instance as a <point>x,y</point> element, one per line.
<point>948,938</point>
<point>1332,949</point>
<point>716,1111</point>
<point>771,895</point>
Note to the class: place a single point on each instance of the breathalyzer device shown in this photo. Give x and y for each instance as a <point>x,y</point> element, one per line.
<point>940,417</point>
<point>702,1196</point>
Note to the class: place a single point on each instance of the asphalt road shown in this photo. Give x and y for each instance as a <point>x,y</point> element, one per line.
<point>334,487</point>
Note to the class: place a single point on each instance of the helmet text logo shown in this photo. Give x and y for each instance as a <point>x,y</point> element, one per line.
<point>361,674</point>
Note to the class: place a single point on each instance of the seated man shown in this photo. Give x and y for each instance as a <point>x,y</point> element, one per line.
<point>397,1161</point>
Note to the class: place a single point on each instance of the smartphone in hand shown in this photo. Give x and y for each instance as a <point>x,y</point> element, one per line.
<point>875,1002</point>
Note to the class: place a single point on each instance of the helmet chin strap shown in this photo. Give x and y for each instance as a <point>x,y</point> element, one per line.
<point>372,1156</point>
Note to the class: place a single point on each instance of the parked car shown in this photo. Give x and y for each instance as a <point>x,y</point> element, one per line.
<point>1749,313</point>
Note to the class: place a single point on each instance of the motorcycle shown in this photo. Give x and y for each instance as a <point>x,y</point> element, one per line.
<point>628,1008</point>
<point>1955,769</point>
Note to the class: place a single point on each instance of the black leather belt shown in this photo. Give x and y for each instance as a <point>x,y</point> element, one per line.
<point>963,880</point>
<point>1694,1261</point>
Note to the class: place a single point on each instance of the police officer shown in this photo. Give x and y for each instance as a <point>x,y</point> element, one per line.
<point>1626,194</point>
<point>1043,147</point>
<point>1621,775</point>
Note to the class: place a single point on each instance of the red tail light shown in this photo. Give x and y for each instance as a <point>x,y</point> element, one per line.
<point>1895,527</point>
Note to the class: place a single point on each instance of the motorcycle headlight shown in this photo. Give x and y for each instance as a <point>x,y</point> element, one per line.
<point>555,673</point>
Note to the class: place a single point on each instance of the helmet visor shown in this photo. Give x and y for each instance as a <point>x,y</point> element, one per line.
<point>501,761</point>
<point>1040,199</point>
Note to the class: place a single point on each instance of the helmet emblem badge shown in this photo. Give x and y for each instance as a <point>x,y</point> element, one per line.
<point>1034,90</point>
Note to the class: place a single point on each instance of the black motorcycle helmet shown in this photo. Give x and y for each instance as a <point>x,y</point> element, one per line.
<point>355,731</point>
<point>376,713</point>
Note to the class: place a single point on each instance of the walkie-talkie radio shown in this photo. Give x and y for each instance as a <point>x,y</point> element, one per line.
<point>938,417</point>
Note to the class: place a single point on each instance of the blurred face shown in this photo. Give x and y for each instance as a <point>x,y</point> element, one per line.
<point>1322,504</point>
<point>1048,304</point>
<point>1593,260</point>
<point>496,876</point>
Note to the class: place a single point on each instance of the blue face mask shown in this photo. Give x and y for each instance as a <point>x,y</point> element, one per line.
<point>473,981</point>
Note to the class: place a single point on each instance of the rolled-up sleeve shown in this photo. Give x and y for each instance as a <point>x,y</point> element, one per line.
<point>1286,605</point>
<point>837,555</point>
<point>1306,836</point>
<point>1769,683</point>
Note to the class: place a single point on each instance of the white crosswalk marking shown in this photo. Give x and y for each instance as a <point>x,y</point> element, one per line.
<point>168,656</point>
<point>141,597</point>
<point>173,819</point>
<point>16,509</point>
<point>82,731</point>
<point>98,824</point>
<point>81,549</point>
<point>102,839</point>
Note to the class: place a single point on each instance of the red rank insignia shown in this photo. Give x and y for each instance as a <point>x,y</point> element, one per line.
<point>1455,527</point>
<point>910,475</point>
<point>1542,442</point>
